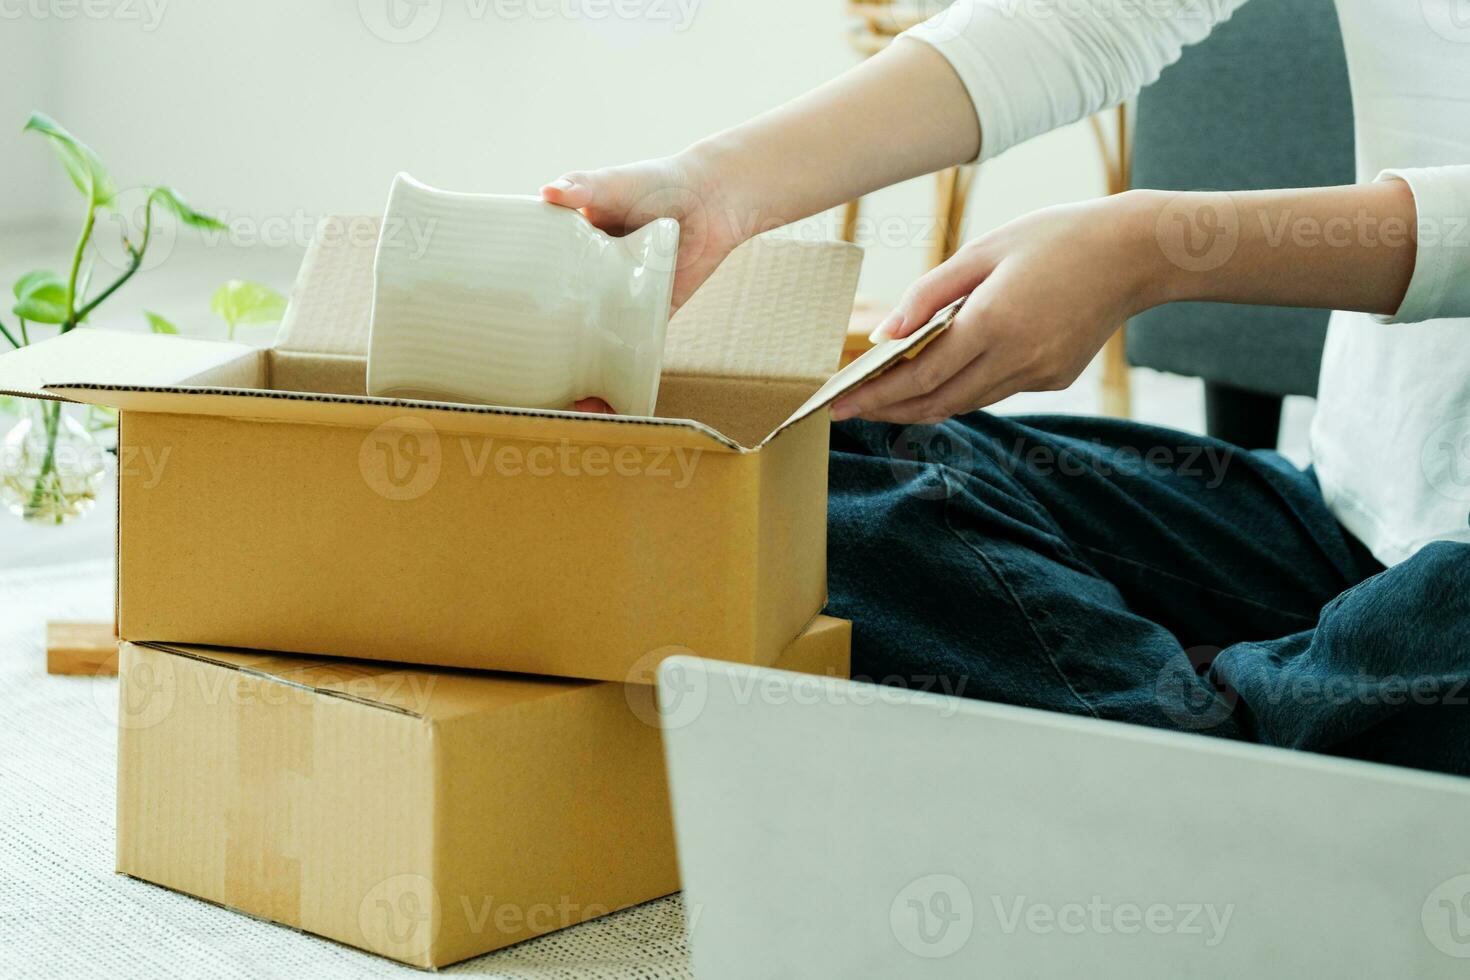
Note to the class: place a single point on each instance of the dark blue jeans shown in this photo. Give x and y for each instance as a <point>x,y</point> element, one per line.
<point>1134,573</point>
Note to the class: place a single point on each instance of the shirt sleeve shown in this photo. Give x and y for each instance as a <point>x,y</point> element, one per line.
<point>1440,286</point>
<point>1031,66</point>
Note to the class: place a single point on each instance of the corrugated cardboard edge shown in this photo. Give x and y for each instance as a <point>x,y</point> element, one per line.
<point>266,405</point>
<point>204,655</point>
<point>111,356</point>
<point>869,366</point>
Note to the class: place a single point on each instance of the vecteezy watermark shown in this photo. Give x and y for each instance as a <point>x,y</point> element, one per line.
<point>1099,916</point>
<point>928,460</point>
<point>147,14</point>
<point>401,21</point>
<point>127,219</point>
<point>404,458</point>
<point>1195,460</point>
<point>1187,694</point>
<point>406,21</point>
<point>1450,19</point>
<point>298,229</point>
<point>149,687</point>
<point>919,457</point>
<point>1200,231</point>
<point>1445,459</point>
<point>1446,917</point>
<point>144,694</point>
<point>681,694</point>
<point>145,463</point>
<point>1174,11</point>
<point>400,917</point>
<point>1197,698</point>
<point>673,703</point>
<point>933,916</point>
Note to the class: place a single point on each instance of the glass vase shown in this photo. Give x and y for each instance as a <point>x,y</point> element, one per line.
<point>51,468</point>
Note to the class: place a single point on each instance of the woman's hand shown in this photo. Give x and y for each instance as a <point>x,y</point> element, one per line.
<point>1045,292</point>
<point>685,187</point>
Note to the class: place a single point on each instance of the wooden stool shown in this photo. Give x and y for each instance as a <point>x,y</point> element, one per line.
<point>81,648</point>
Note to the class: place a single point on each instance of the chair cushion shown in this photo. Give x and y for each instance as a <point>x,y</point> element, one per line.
<point>1263,102</point>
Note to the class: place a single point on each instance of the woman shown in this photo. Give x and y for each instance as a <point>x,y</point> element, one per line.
<point>1080,564</point>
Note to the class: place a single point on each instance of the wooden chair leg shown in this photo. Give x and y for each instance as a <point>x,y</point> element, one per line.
<point>1116,395</point>
<point>851,211</point>
<point>949,205</point>
<point>1117,387</point>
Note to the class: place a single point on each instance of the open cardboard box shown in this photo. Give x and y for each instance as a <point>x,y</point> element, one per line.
<point>424,815</point>
<point>266,502</point>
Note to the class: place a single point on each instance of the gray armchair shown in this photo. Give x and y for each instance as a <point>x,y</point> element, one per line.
<point>1263,102</point>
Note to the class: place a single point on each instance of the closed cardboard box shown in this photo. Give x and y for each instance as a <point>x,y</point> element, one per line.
<point>266,502</point>
<point>424,815</point>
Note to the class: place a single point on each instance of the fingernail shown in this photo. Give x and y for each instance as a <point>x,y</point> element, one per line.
<point>561,184</point>
<point>886,329</point>
<point>842,411</point>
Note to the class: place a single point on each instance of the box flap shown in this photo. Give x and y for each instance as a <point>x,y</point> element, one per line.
<point>111,357</point>
<point>331,304</point>
<point>777,307</point>
<point>873,363</point>
<point>364,411</point>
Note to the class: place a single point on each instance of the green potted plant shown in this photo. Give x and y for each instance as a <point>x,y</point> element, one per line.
<point>51,465</point>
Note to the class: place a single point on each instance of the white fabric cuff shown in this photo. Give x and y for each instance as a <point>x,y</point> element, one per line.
<point>1440,286</point>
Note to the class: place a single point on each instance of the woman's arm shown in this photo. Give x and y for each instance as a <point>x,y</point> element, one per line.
<point>1012,68</point>
<point>900,114</point>
<point>1046,291</point>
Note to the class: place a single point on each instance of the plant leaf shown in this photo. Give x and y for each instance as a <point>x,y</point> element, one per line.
<point>40,297</point>
<point>176,205</point>
<point>159,324</point>
<point>39,279</point>
<point>100,418</point>
<point>238,302</point>
<point>9,406</point>
<point>82,165</point>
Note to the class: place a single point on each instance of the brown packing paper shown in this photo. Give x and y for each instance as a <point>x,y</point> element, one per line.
<point>424,815</point>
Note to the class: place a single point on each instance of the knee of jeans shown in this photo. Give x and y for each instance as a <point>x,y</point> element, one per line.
<point>1435,581</point>
<point>1413,617</point>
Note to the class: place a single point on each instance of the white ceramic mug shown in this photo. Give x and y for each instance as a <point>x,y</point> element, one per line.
<point>507,300</point>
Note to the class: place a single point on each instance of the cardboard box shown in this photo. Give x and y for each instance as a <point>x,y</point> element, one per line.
<point>425,815</point>
<point>267,503</point>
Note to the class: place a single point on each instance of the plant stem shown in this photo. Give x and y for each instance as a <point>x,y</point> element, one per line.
<point>134,264</point>
<point>51,412</point>
<point>8,336</point>
<point>76,267</point>
<point>25,334</point>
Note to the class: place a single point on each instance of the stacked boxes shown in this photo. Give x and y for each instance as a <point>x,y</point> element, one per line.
<point>287,545</point>
<point>423,814</point>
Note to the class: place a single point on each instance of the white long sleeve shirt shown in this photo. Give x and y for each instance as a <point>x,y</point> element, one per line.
<point>1391,437</point>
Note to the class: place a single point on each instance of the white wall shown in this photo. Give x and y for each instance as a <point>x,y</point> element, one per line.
<point>277,111</point>
<point>29,77</point>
